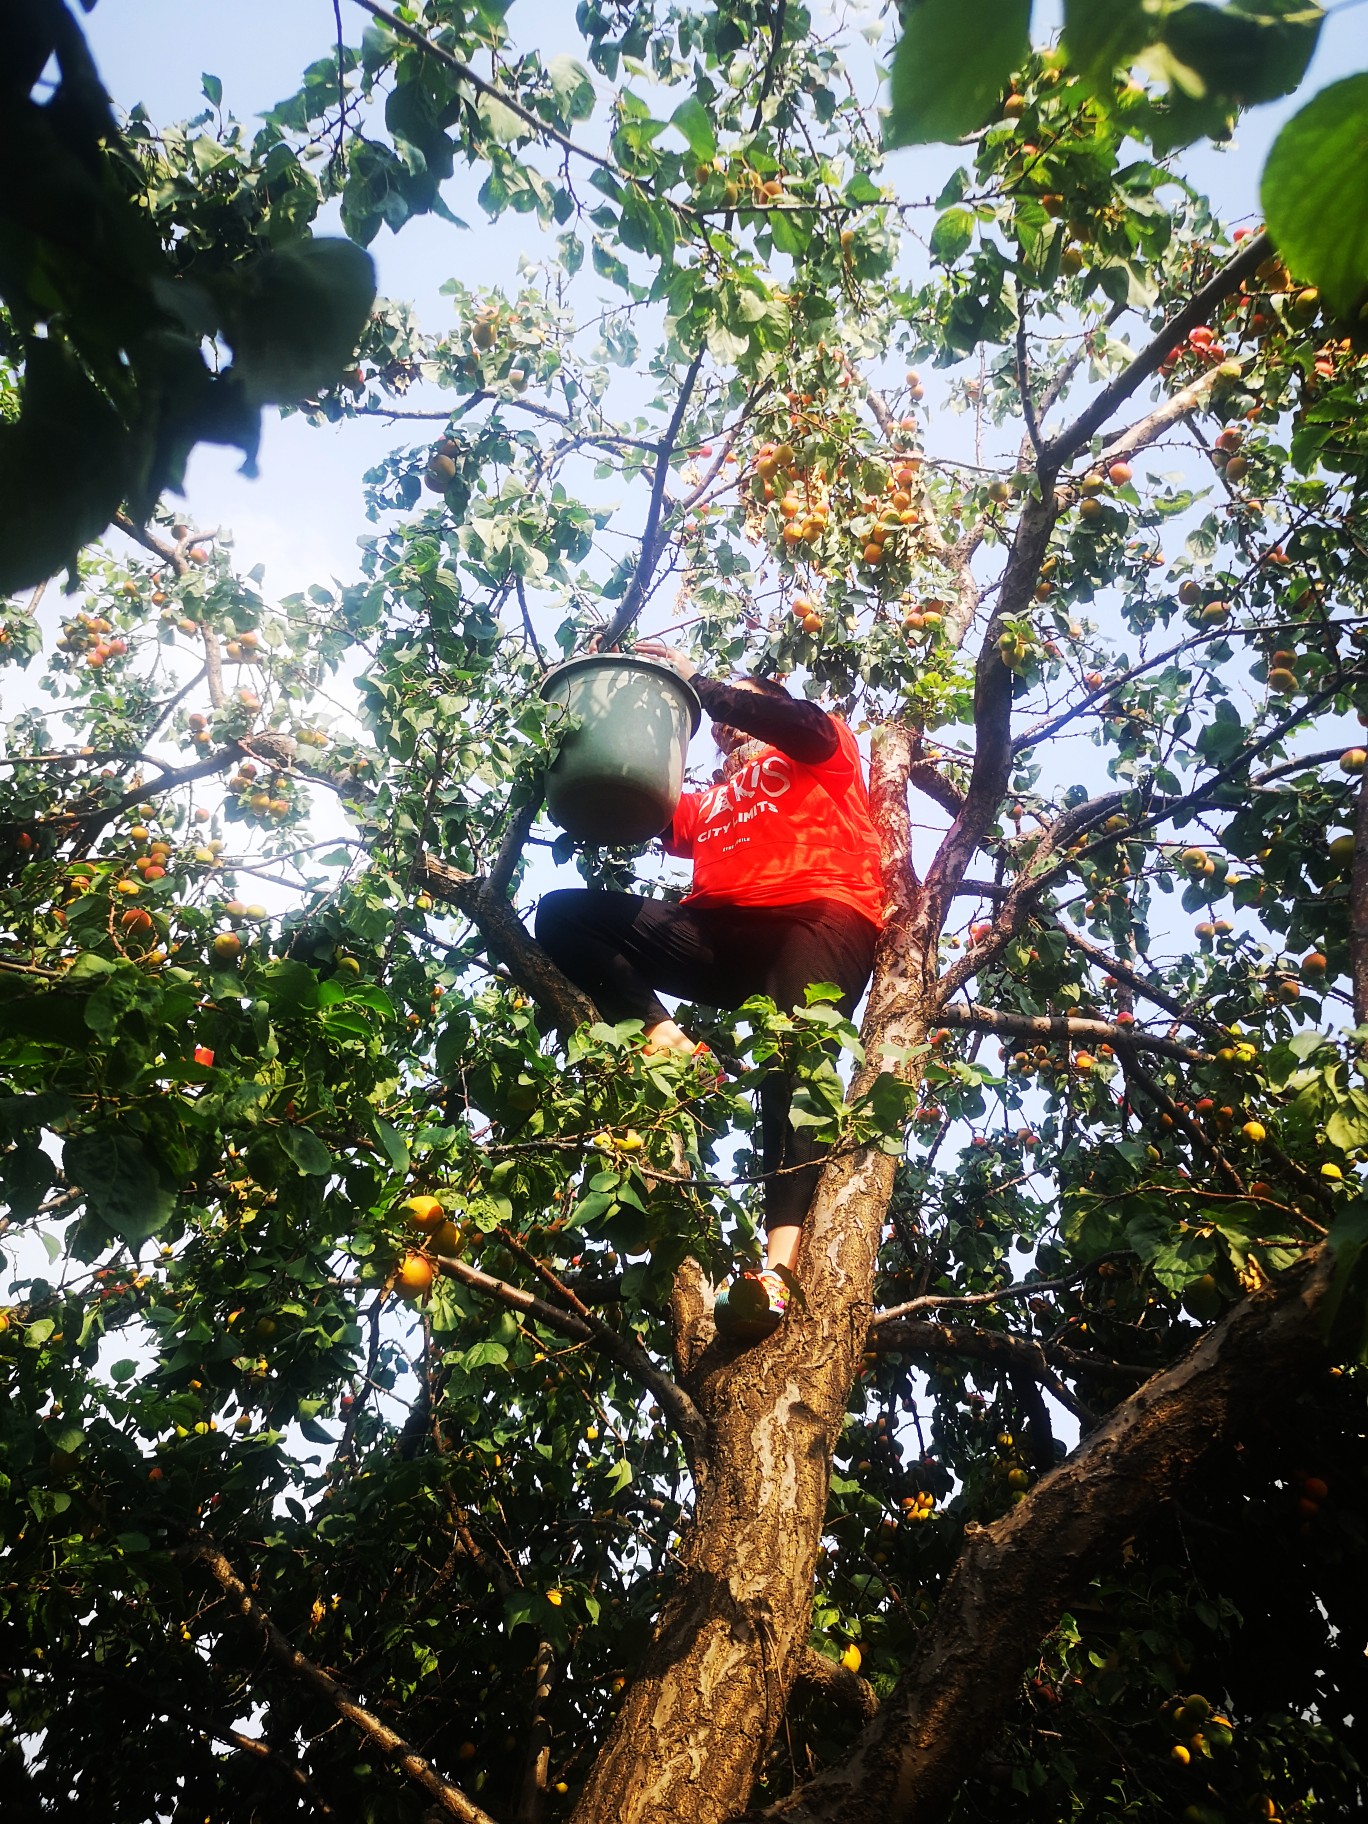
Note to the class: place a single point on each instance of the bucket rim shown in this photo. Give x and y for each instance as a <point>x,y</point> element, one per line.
<point>616,661</point>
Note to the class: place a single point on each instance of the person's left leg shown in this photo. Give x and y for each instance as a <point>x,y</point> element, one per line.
<point>825,943</point>
<point>837,947</point>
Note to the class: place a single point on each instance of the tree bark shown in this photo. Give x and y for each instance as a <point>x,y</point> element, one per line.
<point>1014,1578</point>
<point>696,1722</point>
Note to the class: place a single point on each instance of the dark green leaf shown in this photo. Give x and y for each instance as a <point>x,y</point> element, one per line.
<point>1103,35</point>
<point>697,128</point>
<point>952,66</point>
<point>573,85</point>
<point>306,1149</point>
<point>119,1181</point>
<point>294,316</point>
<point>1249,51</point>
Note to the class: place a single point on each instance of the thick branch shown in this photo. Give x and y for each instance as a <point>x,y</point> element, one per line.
<point>1197,309</point>
<point>652,537</point>
<point>1016,1354</point>
<point>993,682</point>
<point>507,940</point>
<point>453,1802</point>
<point>514,842</point>
<point>1060,1026</point>
<point>1014,1578</point>
<point>537,1746</point>
<point>933,784</point>
<point>818,1676</point>
<point>584,1326</point>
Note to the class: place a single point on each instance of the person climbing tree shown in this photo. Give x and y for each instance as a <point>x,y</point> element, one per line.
<point>786,893</point>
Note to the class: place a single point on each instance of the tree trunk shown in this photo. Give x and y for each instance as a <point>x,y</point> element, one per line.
<point>698,1718</point>
<point>1014,1578</point>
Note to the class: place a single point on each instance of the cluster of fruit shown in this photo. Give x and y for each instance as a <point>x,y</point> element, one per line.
<point>85,639</point>
<point>417,1271</point>
<point>227,945</point>
<point>1095,484</point>
<point>484,334</point>
<point>441,465</point>
<point>919,1507</point>
<point>268,799</point>
<point>810,507</point>
<point>608,1142</point>
<point>740,186</point>
<point>1202,612</point>
<point>1314,1490</point>
<point>243,648</point>
<point>1206,1732</point>
<point>1043,1061</point>
<point>1201,347</point>
<point>1282,673</point>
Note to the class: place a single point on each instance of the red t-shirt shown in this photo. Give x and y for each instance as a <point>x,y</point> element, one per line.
<point>780,832</point>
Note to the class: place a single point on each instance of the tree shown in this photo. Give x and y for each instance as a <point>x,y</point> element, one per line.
<point>369,1449</point>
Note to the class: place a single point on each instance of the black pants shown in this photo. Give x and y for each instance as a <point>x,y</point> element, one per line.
<point>621,950</point>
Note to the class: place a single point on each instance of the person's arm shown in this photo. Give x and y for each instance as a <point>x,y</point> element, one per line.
<point>797,728</point>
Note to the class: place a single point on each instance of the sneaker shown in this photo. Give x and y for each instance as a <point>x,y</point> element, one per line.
<point>751,1307</point>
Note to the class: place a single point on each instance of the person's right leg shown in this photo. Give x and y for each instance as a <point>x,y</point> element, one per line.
<point>623,950</point>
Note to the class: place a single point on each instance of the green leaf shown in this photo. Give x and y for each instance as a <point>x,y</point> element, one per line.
<point>392,1144</point>
<point>306,1149</point>
<point>485,1355</point>
<point>1103,35</point>
<point>952,66</point>
<point>573,86</point>
<point>1347,1128</point>
<point>213,89</point>
<point>952,234</point>
<point>120,1183</point>
<point>1315,193</point>
<point>1250,51</point>
<point>501,123</point>
<point>294,316</point>
<point>695,123</point>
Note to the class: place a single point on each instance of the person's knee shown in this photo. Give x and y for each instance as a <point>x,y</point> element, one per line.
<point>556,920</point>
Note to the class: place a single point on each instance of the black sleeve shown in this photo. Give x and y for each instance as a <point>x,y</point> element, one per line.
<point>797,728</point>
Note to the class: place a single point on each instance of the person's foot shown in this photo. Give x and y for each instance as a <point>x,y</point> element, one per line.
<point>751,1307</point>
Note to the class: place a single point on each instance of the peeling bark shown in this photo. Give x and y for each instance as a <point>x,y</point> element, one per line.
<point>1014,1578</point>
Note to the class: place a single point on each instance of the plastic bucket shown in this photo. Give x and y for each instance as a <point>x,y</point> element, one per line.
<point>617,778</point>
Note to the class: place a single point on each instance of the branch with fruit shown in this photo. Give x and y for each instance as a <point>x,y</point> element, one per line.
<point>1047,1026</point>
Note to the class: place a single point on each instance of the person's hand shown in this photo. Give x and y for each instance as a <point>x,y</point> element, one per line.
<point>668,655</point>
